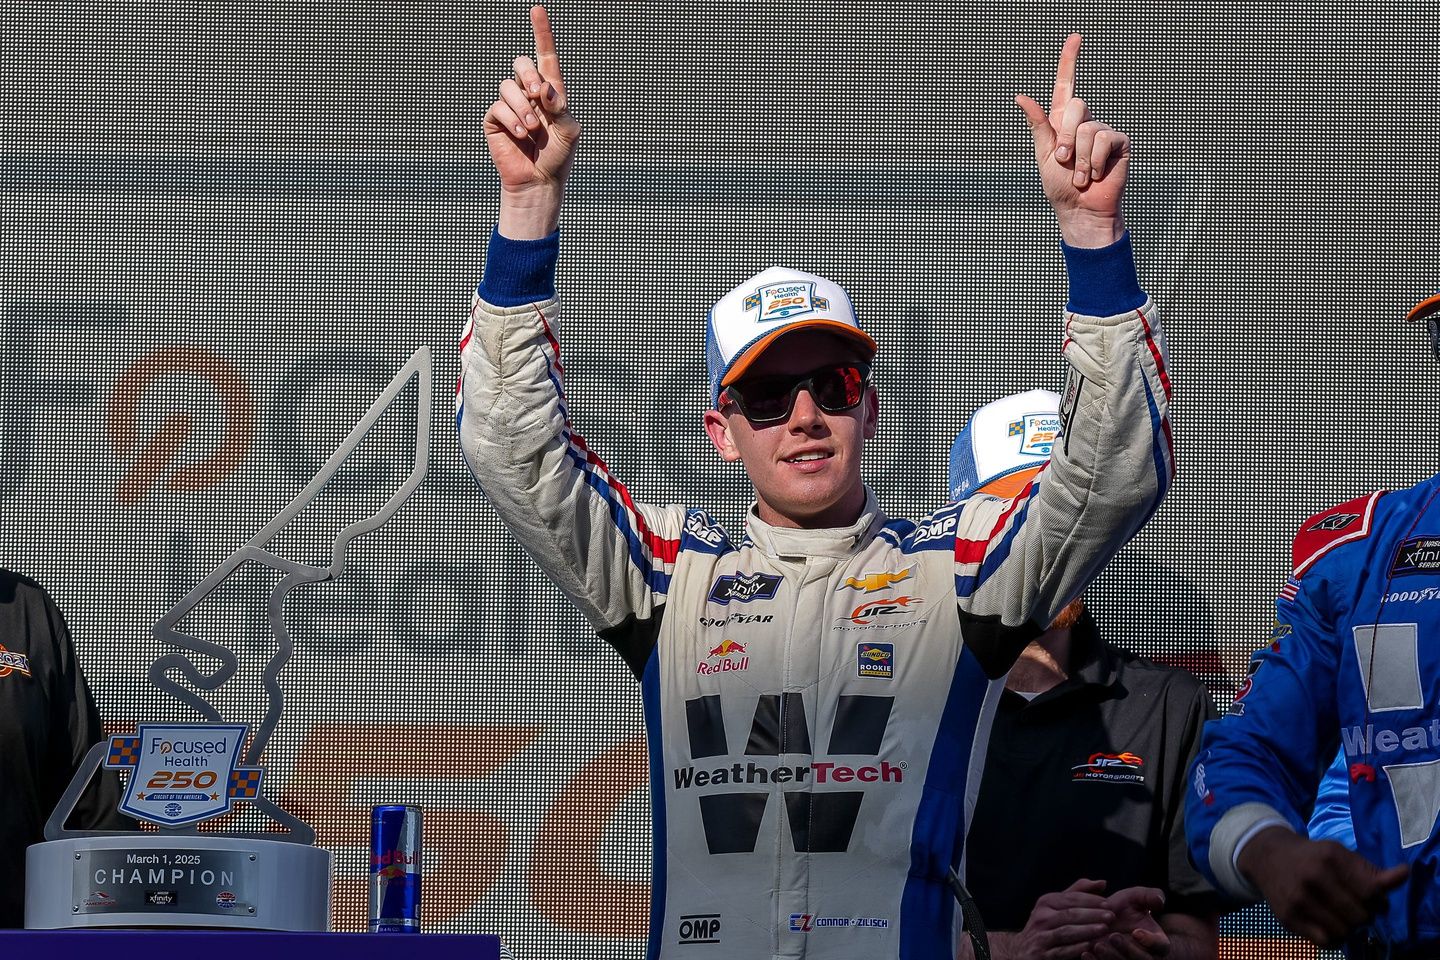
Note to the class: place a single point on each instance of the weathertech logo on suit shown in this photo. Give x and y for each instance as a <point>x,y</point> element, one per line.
<point>819,821</point>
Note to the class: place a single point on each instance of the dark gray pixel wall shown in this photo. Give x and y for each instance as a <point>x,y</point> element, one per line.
<point>224,226</point>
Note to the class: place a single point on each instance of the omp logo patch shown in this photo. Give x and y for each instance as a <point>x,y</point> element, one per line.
<point>700,928</point>
<point>939,528</point>
<point>705,530</point>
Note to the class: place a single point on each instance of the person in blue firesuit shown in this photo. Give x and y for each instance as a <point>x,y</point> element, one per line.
<point>1353,662</point>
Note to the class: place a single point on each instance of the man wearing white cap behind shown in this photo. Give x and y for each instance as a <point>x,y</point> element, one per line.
<point>812,691</point>
<point>1077,843</point>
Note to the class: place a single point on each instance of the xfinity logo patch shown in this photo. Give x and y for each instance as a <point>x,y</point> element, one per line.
<point>1417,555</point>
<point>744,587</point>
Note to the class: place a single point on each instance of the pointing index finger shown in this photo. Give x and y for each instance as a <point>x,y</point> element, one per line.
<point>545,56</point>
<point>1065,73</point>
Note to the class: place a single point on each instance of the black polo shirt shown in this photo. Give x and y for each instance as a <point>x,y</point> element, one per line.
<point>1088,780</point>
<point>47,723</point>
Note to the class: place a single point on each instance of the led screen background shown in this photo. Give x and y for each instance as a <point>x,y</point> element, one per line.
<point>223,227</point>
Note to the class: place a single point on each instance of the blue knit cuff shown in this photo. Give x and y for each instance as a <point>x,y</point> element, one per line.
<point>518,272</point>
<point>1103,280</point>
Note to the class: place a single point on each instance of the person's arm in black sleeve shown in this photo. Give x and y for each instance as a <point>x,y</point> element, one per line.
<point>75,727</point>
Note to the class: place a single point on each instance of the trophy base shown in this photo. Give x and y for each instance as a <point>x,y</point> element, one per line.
<point>169,880</point>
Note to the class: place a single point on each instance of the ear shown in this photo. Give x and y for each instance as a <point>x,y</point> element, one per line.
<point>717,428</point>
<point>872,413</point>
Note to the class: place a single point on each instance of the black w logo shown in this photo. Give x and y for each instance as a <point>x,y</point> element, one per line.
<point>820,821</point>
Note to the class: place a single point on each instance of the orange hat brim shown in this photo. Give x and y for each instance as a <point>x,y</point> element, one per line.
<point>753,352</point>
<point>1011,484</point>
<point>1424,309</point>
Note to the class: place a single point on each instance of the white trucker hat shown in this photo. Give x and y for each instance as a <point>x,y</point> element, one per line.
<point>766,307</point>
<point>1005,444</point>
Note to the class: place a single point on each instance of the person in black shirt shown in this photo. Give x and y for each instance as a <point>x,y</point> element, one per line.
<point>1077,845</point>
<point>48,721</point>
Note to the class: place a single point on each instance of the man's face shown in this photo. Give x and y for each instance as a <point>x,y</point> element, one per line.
<point>806,468</point>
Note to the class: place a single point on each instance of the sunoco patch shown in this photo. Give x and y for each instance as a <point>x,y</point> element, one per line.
<point>877,660</point>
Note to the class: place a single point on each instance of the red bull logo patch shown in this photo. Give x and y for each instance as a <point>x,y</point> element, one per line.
<point>784,301</point>
<point>877,660</point>
<point>729,657</point>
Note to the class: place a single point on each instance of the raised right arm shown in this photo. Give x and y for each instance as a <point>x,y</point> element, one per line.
<point>611,556</point>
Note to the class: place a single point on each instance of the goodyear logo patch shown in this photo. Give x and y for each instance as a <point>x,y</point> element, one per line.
<point>783,301</point>
<point>1037,432</point>
<point>877,660</point>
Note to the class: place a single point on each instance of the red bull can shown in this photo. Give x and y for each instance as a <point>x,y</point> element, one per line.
<point>395,869</point>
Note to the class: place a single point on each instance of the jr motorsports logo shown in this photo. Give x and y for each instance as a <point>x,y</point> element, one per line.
<point>902,611</point>
<point>1111,768</point>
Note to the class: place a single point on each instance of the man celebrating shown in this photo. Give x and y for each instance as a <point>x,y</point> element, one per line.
<point>813,693</point>
<point>1353,662</point>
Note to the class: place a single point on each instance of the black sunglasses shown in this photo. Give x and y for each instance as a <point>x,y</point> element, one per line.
<point>767,400</point>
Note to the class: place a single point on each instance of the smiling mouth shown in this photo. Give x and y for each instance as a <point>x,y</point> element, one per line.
<point>808,457</point>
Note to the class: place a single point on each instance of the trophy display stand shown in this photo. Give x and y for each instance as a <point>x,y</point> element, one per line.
<point>151,879</point>
<point>178,775</point>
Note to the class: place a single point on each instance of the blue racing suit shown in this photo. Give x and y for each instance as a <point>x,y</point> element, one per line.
<point>1354,661</point>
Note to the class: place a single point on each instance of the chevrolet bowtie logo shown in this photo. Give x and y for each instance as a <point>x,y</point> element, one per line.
<point>872,582</point>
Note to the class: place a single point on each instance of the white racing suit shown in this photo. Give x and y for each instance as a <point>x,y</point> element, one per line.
<point>817,702</point>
